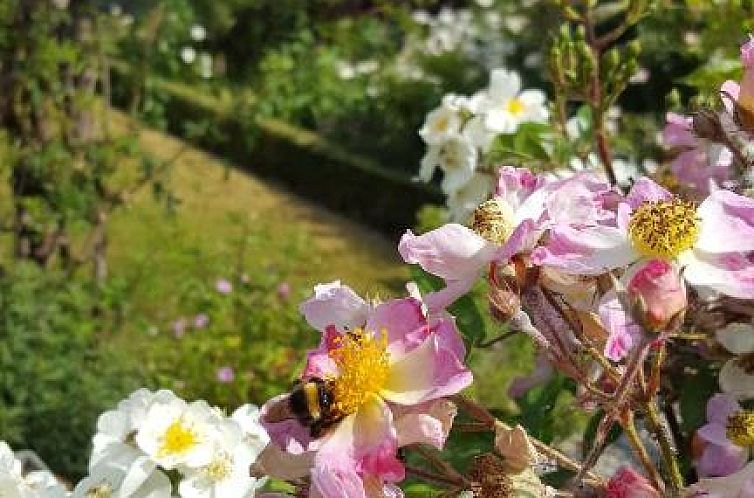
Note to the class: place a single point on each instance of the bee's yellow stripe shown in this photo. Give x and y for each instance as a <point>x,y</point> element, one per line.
<point>312,400</point>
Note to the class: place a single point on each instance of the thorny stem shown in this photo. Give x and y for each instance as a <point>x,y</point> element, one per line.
<point>629,429</point>
<point>666,447</point>
<point>483,415</point>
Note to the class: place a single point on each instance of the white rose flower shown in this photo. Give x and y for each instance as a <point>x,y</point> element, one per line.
<point>13,484</point>
<point>111,480</point>
<point>441,124</point>
<point>198,32</point>
<point>188,55</point>
<point>505,106</point>
<point>175,433</point>
<point>737,375</point>
<point>456,157</point>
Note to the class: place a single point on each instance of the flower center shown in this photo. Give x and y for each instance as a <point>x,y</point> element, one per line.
<point>494,220</point>
<point>740,428</point>
<point>219,468</point>
<point>442,124</point>
<point>664,229</point>
<point>103,490</point>
<point>362,360</point>
<point>178,438</point>
<point>515,106</point>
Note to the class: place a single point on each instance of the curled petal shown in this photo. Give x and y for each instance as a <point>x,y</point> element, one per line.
<point>721,460</point>
<point>399,318</point>
<point>720,407</point>
<point>646,190</point>
<point>280,464</point>
<point>451,252</point>
<point>334,304</point>
<point>427,423</point>
<point>624,332</point>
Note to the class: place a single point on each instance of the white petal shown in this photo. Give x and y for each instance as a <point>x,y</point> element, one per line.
<point>736,337</point>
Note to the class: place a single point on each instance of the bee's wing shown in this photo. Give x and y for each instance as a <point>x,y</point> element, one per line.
<point>279,411</point>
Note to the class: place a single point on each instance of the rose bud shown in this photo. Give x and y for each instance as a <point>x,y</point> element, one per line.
<point>627,483</point>
<point>659,289</point>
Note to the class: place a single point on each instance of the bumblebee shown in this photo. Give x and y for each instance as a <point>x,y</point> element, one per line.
<point>311,403</point>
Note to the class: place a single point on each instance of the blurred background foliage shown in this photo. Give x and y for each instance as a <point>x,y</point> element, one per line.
<point>128,257</point>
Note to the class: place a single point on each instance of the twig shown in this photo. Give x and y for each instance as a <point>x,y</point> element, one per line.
<point>481,414</point>
<point>629,428</point>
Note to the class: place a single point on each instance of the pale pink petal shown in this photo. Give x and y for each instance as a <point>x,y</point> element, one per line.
<point>523,239</point>
<point>731,486</point>
<point>334,304</point>
<point>331,481</point>
<point>275,462</point>
<point>427,423</point>
<point>398,318</point>
<point>624,332</point>
<point>678,131</point>
<point>646,190</point>
<point>579,201</point>
<point>714,433</point>
<point>515,185</point>
<point>731,274</point>
<point>585,251</point>
<point>727,223</point>
<point>376,441</point>
<point>289,434</point>
<point>318,360</point>
<point>437,301</point>
<point>720,407</point>
<point>721,460</point>
<point>451,252</point>
<point>425,373</point>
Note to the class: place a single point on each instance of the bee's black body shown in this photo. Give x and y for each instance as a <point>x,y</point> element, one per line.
<point>311,403</point>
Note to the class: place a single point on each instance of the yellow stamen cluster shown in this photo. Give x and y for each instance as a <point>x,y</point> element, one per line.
<point>103,490</point>
<point>178,438</point>
<point>219,468</point>
<point>664,229</point>
<point>362,361</point>
<point>494,220</point>
<point>488,477</point>
<point>515,106</point>
<point>740,428</point>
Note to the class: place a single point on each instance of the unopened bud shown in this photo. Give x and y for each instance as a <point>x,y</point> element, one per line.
<point>660,294</point>
<point>504,304</point>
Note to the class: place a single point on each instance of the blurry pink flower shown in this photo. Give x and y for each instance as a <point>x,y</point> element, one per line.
<point>223,286</point>
<point>746,95</point>
<point>713,243</point>
<point>720,456</point>
<point>201,321</point>
<point>627,483</point>
<point>179,327</point>
<point>700,163</point>
<point>225,375</point>
<point>284,291</point>
<point>390,373</point>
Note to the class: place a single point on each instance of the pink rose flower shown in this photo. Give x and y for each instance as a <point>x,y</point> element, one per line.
<point>389,374</point>
<point>661,290</point>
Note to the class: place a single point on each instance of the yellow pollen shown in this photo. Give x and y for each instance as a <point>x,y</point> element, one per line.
<point>494,220</point>
<point>442,124</point>
<point>664,229</point>
<point>515,106</point>
<point>103,490</point>
<point>362,361</point>
<point>178,438</point>
<point>219,468</point>
<point>740,428</point>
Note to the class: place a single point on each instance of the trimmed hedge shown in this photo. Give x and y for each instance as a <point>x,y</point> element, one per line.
<point>303,161</point>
